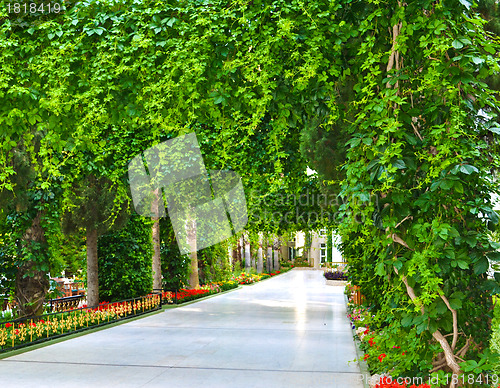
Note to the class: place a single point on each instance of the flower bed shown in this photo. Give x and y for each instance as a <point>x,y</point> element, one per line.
<point>335,275</point>
<point>186,295</point>
<point>246,278</point>
<point>24,332</point>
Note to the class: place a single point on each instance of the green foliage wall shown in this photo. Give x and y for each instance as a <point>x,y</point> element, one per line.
<point>174,266</point>
<point>125,259</point>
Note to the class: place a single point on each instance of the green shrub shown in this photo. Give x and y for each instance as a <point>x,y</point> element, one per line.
<point>214,264</point>
<point>125,259</point>
<point>228,285</point>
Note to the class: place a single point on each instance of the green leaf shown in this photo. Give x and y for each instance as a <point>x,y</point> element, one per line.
<point>462,264</point>
<point>455,303</point>
<point>380,269</point>
<point>466,3</point>
<point>407,321</point>
<point>446,184</point>
<point>354,142</point>
<point>457,295</point>
<point>441,307</point>
<point>477,60</point>
<point>493,256</point>
<point>471,241</point>
<point>399,164</point>
<point>219,99</point>
<point>468,169</point>
<point>481,266</point>
<point>457,44</point>
<point>171,22</point>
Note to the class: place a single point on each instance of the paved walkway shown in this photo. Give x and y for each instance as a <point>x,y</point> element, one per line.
<point>289,331</point>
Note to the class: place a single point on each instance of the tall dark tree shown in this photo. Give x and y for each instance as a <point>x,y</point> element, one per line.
<point>25,208</point>
<point>96,208</point>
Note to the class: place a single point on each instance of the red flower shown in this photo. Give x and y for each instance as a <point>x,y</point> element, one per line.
<point>370,341</point>
<point>7,325</point>
<point>367,330</point>
<point>42,321</point>
<point>33,324</point>
<point>404,353</point>
<point>381,357</point>
<point>366,357</point>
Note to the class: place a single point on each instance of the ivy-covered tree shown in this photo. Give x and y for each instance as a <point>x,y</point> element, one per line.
<point>422,150</point>
<point>28,212</point>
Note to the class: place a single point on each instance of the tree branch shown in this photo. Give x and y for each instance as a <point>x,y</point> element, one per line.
<point>448,352</point>
<point>455,321</point>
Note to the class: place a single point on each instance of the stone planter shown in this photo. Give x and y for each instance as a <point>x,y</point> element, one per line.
<point>335,282</point>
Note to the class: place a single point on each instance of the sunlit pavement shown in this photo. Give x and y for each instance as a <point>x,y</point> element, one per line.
<point>288,331</point>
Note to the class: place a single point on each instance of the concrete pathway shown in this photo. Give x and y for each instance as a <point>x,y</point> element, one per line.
<point>289,331</point>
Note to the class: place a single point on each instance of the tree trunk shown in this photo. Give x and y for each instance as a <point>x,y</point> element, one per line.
<point>32,284</point>
<point>92,268</point>
<point>230,255</point>
<point>276,247</point>
<point>260,261</point>
<point>156,265</point>
<point>241,248</point>
<point>247,255</point>
<point>252,259</point>
<point>194,280</point>
<point>269,261</point>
